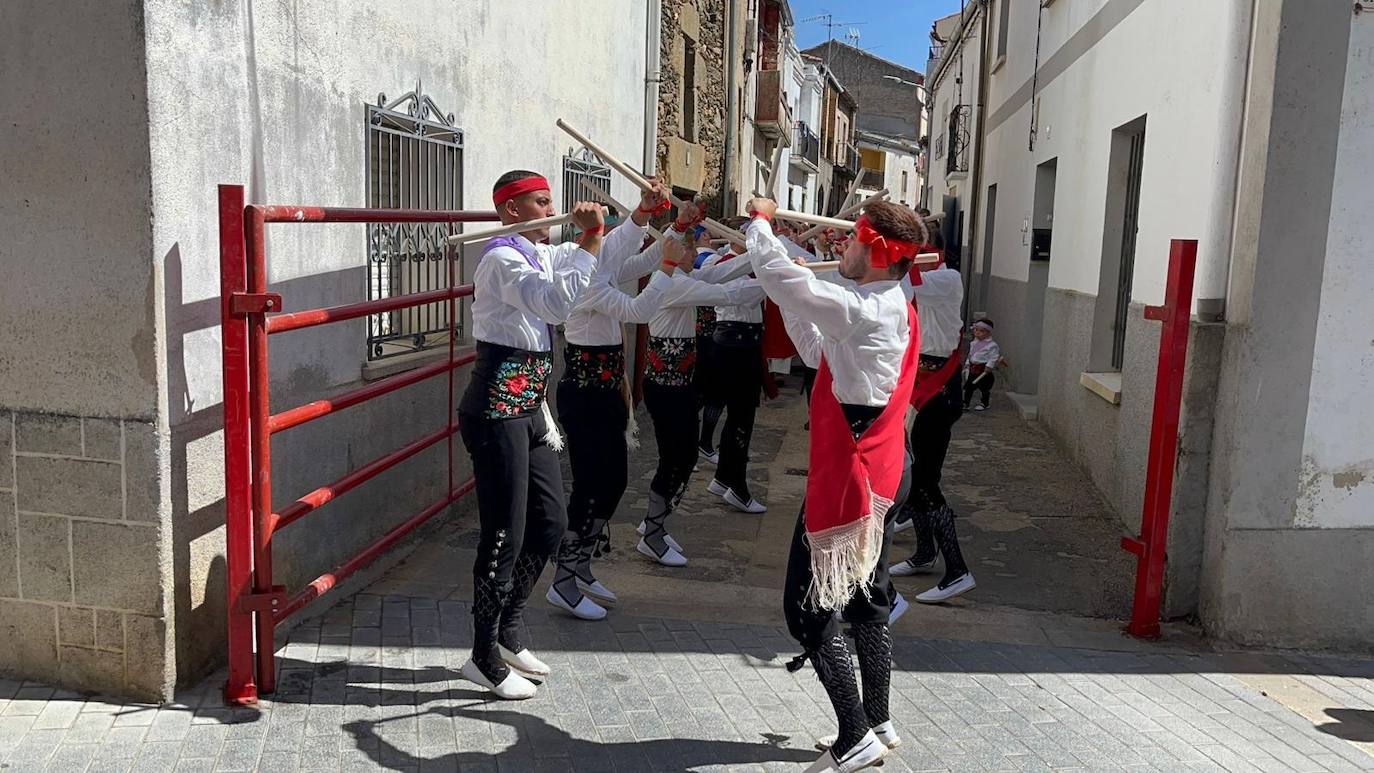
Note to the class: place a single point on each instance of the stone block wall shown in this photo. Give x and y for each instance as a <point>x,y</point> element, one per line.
<point>81,598</point>
<point>705,22</point>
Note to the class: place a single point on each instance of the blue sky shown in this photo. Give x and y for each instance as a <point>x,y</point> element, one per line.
<point>898,30</point>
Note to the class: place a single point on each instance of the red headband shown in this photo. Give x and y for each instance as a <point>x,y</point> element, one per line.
<point>883,252</point>
<point>519,188</point>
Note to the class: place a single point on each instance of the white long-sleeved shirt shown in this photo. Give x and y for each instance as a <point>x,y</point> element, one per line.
<point>862,330</point>
<point>985,352</point>
<point>939,297</point>
<point>595,319</point>
<point>676,317</point>
<point>746,310</point>
<point>514,300</point>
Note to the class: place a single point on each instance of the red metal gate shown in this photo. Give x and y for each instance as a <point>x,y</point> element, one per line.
<point>255,605</point>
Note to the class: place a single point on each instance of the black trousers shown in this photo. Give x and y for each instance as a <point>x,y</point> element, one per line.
<point>740,378</point>
<point>810,625</point>
<point>929,442</point>
<point>674,411</point>
<point>593,418</point>
<point>983,385</point>
<point>519,492</point>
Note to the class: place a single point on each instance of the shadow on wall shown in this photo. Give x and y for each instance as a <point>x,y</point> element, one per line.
<point>303,459</point>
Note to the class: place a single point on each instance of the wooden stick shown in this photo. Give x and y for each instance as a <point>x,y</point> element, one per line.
<point>513,228</point>
<point>773,170</point>
<point>720,229</point>
<point>853,186</point>
<point>606,197</point>
<point>925,258</point>
<point>820,220</point>
<point>847,211</point>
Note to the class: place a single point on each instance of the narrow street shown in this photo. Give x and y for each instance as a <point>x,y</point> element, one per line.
<point>1029,672</point>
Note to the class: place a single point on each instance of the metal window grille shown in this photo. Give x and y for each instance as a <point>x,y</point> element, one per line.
<point>959,135</point>
<point>414,161</point>
<point>579,165</point>
<point>1128,238</point>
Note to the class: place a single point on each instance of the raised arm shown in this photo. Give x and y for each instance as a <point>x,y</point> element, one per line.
<point>805,336</point>
<point>611,301</point>
<point>724,270</point>
<point>506,272</point>
<point>831,308</point>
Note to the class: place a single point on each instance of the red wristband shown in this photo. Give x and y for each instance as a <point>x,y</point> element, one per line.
<point>663,206</point>
<point>668,263</point>
<point>594,230</point>
<point>758,214</point>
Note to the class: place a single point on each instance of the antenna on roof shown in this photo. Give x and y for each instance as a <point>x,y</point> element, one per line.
<point>828,19</point>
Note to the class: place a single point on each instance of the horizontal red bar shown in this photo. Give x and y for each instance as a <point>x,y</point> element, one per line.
<point>325,494</point>
<point>296,320</point>
<point>324,582</point>
<point>1133,545</point>
<point>285,213</point>
<point>299,415</point>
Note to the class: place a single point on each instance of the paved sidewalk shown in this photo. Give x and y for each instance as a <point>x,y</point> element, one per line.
<point>374,685</point>
<point>1028,673</point>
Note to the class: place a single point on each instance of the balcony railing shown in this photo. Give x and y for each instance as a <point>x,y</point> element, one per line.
<point>771,114</point>
<point>849,165</point>
<point>806,146</point>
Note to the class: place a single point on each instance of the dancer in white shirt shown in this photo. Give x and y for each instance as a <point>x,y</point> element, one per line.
<point>521,288</point>
<point>669,392</point>
<point>864,341</point>
<point>592,407</point>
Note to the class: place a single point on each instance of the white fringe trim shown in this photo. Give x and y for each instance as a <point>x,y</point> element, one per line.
<point>843,557</point>
<point>551,436</point>
<point>632,433</point>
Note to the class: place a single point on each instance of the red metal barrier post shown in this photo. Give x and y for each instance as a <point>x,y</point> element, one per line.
<point>1150,547</point>
<point>255,605</point>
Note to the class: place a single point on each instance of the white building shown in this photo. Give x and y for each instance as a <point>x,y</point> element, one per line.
<point>1243,126</point>
<point>121,121</point>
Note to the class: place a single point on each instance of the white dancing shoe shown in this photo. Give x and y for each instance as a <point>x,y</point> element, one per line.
<point>713,456</point>
<point>586,609</point>
<point>899,608</point>
<point>753,506</point>
<point>909,567</point>
<point>886,733</point>
<point>902,525</point>
<point>513,688</point>
<point>668,538</point>
<point>961,585</point>
<point>717,488</point>
<point>523,661</point>
<point>868,752</point>
<point>596,589</point>
<point>671,556</point>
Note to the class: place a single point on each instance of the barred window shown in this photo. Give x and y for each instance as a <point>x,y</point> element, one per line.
<point>579,167</point>
<point>414,161</point>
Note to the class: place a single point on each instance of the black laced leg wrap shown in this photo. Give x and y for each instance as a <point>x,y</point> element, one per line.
<point>710,415</point>
<point>925,536</point>
<point>488,603</point>
<point>942,523</point>
<point>874,644</point>
<point>528,567</point>
<point>835,670</point>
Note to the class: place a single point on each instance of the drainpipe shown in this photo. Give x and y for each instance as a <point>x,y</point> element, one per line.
<point>1214,270</point>
<point>975,196</point>
<point>652,75</point>
<point>727,164</point>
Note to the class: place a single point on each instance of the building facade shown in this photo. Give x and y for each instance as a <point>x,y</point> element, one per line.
<point>1244,134</point>
<point>112,574</point>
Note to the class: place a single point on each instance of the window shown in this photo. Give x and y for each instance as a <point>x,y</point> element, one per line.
<point>1125,172</point>
<point>414,161</point>
<point>1003,22</point>
<point>579,167</point>
<point>904,184</point>
<point>689,89</point>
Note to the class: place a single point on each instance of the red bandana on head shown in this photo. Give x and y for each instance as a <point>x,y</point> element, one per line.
<point>519,188</point>
<point>883,251</point>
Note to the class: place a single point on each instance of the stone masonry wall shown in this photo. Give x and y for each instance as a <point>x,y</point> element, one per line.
<point>711,96</point>
<point>81,599</point>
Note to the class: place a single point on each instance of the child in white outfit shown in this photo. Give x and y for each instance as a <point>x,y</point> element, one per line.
<point>983,357</point>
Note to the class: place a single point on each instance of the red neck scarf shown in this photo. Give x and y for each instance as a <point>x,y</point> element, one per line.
<point>851,484</point>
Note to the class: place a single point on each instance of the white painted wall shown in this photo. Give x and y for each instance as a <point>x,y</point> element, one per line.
<point>946,93</point>
<point>1337,479</point>
<point>1180,87</point>
<point>272,95</point>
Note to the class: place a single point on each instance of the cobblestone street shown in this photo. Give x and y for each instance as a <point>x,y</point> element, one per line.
<point>688,672</point>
